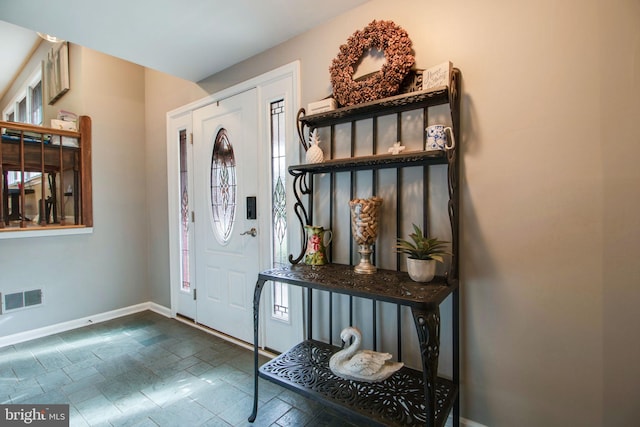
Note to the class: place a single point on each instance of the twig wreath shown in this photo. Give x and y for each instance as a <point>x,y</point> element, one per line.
<point>386,37</point>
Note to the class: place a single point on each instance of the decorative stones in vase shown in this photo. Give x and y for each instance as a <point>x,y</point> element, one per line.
<point>364,225</point>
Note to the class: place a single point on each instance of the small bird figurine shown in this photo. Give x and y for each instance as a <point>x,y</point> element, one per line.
<point>361,365</point>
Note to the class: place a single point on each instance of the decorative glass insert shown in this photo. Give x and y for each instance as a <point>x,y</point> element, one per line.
<point>280,308</point>
<point>184,212</point>
<point>223,186</point>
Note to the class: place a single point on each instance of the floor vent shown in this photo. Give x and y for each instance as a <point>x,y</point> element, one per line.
<point>20,300</point>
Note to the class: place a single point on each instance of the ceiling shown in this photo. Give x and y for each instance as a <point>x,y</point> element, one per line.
<point>191,39</point>
<point>15,53</point>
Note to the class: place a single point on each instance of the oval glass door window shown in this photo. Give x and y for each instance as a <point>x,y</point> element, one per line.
<point>223,186</point>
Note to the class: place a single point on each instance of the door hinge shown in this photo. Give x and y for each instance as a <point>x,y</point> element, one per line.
<point>195,294</point>
<point>191,137</point>
<point>193,216</point>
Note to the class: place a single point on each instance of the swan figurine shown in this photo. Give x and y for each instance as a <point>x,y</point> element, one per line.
<point>361,365</point>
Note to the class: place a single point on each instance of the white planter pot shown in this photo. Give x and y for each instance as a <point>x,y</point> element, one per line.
<point>421,270</point>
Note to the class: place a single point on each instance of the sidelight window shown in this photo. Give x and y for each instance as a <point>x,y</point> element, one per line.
<point>279,207</point>
<point>185,217</point>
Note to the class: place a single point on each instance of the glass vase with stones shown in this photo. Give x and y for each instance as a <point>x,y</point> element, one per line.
<point>364,225</point>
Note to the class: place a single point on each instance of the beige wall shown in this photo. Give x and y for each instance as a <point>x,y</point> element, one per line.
<point>84,275</point>
<point>550,212</point>
<point>163,93</point>
<point>549,194</point>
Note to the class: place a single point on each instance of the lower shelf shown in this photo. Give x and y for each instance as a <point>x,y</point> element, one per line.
<point>399,400</point>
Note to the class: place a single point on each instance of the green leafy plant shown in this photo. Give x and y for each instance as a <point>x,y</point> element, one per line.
<point>422,247</point>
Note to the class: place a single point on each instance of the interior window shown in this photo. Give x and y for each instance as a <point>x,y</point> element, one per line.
<point>26,106</point>
<point>36,103</point>
<point>22,110</point>
<point>46,177</point>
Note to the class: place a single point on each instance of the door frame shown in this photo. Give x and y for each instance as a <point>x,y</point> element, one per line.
<point>181,121</point>
<point>176,120</point>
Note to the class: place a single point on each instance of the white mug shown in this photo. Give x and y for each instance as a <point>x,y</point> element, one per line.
<point>437,138</point>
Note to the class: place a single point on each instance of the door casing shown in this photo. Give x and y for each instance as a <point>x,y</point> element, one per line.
<point>269,85</point>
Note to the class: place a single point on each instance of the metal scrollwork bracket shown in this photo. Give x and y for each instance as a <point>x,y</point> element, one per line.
<point>300,126</point>
<point>428,328</point>
<point>301,187</point>
<point>452,176</point>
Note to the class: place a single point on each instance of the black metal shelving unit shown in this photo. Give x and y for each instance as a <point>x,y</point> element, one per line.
<point>409,397</point>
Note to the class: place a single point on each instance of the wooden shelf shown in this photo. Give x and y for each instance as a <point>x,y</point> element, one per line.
<point>399,400</point>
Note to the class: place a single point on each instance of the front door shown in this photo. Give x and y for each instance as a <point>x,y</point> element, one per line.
<point>227,259</point>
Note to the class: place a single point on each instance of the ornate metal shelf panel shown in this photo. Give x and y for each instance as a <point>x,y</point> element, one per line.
<point>385,285</point>
<point>409,397</point>
<point>399,400</point>
<point>381,161</point>
<point>394,104</point>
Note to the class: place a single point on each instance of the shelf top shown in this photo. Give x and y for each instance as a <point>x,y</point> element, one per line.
<point>384,285</point>
<point>392,104</point>
<point>379,161</point>
<point>396,401</point>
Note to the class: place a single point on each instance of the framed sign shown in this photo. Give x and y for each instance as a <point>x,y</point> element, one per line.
<point>56,72</point>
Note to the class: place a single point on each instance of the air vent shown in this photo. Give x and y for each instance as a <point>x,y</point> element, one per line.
<point>20,300</point>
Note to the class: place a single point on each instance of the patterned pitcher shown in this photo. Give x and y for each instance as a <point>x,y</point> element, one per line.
<point>316,245</point>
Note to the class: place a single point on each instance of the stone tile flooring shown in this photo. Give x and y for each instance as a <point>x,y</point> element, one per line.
<point>147,370</point>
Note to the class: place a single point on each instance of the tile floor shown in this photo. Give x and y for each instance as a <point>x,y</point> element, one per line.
<point>147,370</point>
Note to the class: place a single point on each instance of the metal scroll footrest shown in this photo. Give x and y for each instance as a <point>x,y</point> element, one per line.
<point>399,400</point>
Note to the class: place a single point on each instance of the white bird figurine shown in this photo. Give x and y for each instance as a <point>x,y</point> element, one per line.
<point>361,365</point>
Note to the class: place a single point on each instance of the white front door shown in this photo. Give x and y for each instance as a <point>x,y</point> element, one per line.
<point>227,259</point>
<point>219,269</point>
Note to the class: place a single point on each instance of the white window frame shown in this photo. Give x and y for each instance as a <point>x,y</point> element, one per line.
<point>25,92</point>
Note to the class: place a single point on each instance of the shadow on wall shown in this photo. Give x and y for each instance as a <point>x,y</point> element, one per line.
<point>476,271</point>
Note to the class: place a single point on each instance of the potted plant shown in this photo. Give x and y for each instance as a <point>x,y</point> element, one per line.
<point>423,253</point>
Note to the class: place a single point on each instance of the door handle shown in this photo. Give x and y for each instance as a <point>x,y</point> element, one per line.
<point>253,232</point>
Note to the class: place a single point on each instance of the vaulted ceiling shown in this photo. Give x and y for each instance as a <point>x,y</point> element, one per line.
<point>191,39</point>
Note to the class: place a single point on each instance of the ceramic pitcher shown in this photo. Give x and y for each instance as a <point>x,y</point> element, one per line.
<point>317,240</point>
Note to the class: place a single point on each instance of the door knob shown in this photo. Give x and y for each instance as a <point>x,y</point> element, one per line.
<point>253,232</point>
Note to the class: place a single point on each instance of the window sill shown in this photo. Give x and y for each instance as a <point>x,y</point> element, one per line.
<point>18,233</point>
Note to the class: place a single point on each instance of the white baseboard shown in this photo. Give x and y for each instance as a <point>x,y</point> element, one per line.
<point>160,309</point>
<point>79,323</point>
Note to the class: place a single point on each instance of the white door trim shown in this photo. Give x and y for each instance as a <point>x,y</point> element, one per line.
<point>175,120</point>
<point>175,124</point>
